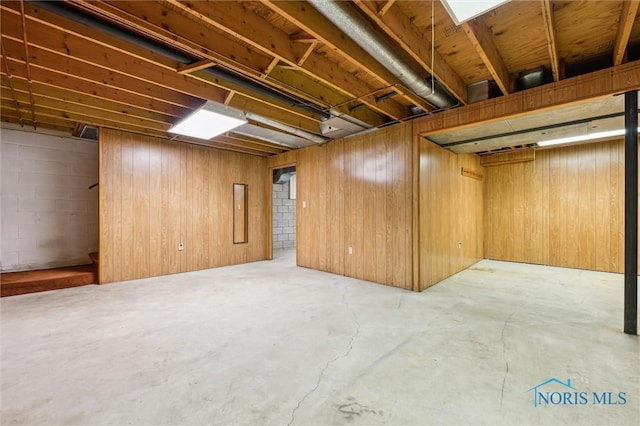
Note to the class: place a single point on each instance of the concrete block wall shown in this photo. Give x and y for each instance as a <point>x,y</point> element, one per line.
<point>284,218</point>
<point>49,216</point>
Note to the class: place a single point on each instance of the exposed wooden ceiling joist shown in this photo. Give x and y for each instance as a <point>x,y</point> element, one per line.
<point>480,37</point>
<point>418,45</point>
<point>547,14</point>
<point>248,27</point>
<point>627,18</point>
<point>146,64</point>
<point>313,22</point>
<point>385,7</point>
<point>169,27</point>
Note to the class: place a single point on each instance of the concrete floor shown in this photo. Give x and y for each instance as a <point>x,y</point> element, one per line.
<point>270,343</point>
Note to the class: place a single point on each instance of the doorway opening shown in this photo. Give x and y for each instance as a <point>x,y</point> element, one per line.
<point>284,213</point>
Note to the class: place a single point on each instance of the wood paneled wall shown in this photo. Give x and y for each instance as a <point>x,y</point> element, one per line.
<point>566,208</point>
<point>399,201</point>
<point>451,212</point>
<point>357,192</point>
<point>155,193</point>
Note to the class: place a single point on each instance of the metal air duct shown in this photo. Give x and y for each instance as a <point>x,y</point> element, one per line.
<point>285,127</point>
<point>62,9</point>
<point>349,21</point>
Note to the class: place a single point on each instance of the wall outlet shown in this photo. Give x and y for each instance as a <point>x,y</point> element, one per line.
<point>304,204</point>
<point>180,246</point>
<point>459,244</point>
<point>350,250</point>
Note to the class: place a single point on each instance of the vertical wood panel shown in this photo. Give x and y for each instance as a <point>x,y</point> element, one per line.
<point>141,220</point>
<point>335,208</point>
<point>198,185</point>
<point>171,208</point>
<point>358,193</point>
<point>214,197</point>
<point>155,205</point>
<point>127,245</point>
<point>367,244</point>
<point>401,182</point>
<point>184,212</point>
<point>107,207</point>
<point>557,209</point>
<point>603,207</point>
<point>156,193</point>
<point>573,203</point>
<point>616,227</point>
<point>586,222</point>
<point>449,213</point>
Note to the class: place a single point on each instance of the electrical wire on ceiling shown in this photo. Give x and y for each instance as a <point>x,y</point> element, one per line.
<point>10,78</point>
<point>28,64</point>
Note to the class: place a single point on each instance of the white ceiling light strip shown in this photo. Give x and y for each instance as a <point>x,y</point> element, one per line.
<point>583,138</point>
<point>465,10</point>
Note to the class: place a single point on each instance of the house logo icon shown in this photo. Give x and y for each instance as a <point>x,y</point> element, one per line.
<point>539,397</point>
<point>554,392</point>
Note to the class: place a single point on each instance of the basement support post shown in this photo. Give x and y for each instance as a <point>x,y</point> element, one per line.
<point>631,213</point>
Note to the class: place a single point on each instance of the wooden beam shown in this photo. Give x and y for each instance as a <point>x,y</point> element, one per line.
<point>88,101</point>
<point>385,8</point>
<point>89,114</point>
<point>213,143</point>
<point>274,62</point>
<point>65,68</point>
<point>302,85</point>
<point>257,143</point>
<point>248,144</point>
<point>62,125</point>
<point>100,92</point>
<point>229,97</point>
<point>48,43</point>
<point>196,66</point>
<point>570,91</point>
<point>314,23</point>
<point>549,24</point>
<point>303,38</point>
<point>259,97</point>
<point>245,103</point>
<point>10,83</point>
<point>57,112</point>
<point>309,51</point>
<point>171,28</point>
<point>480,37</point>
<point>236,20</point>
<point>416,43</point>
<point>627,18</point>
<point>122,69</point>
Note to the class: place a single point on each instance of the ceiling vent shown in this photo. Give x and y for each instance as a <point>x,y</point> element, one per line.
<point>84,131</point>
<point>339,126</point>
<point>283,175</point>
<point>532,78</point>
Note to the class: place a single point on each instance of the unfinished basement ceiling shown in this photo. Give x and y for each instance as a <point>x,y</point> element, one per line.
<point>591,117</point>
<point>141,66</point>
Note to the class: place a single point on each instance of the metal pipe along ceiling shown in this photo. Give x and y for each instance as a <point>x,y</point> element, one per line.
<point>62,9</point>
<point>345,17</point>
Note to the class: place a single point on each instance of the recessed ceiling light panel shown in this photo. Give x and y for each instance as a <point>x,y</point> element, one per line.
<point>209,121</point>
<point>465,10</point>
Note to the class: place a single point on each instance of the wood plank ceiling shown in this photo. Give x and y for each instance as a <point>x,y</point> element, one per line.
<point>282,61</point>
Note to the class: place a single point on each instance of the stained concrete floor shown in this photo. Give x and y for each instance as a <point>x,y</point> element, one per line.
<point>272,344</point>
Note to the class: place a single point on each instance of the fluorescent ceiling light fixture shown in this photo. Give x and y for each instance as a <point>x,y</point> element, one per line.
<point>209,121</point>
<point>465,10</point>
<point>583,138</point>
